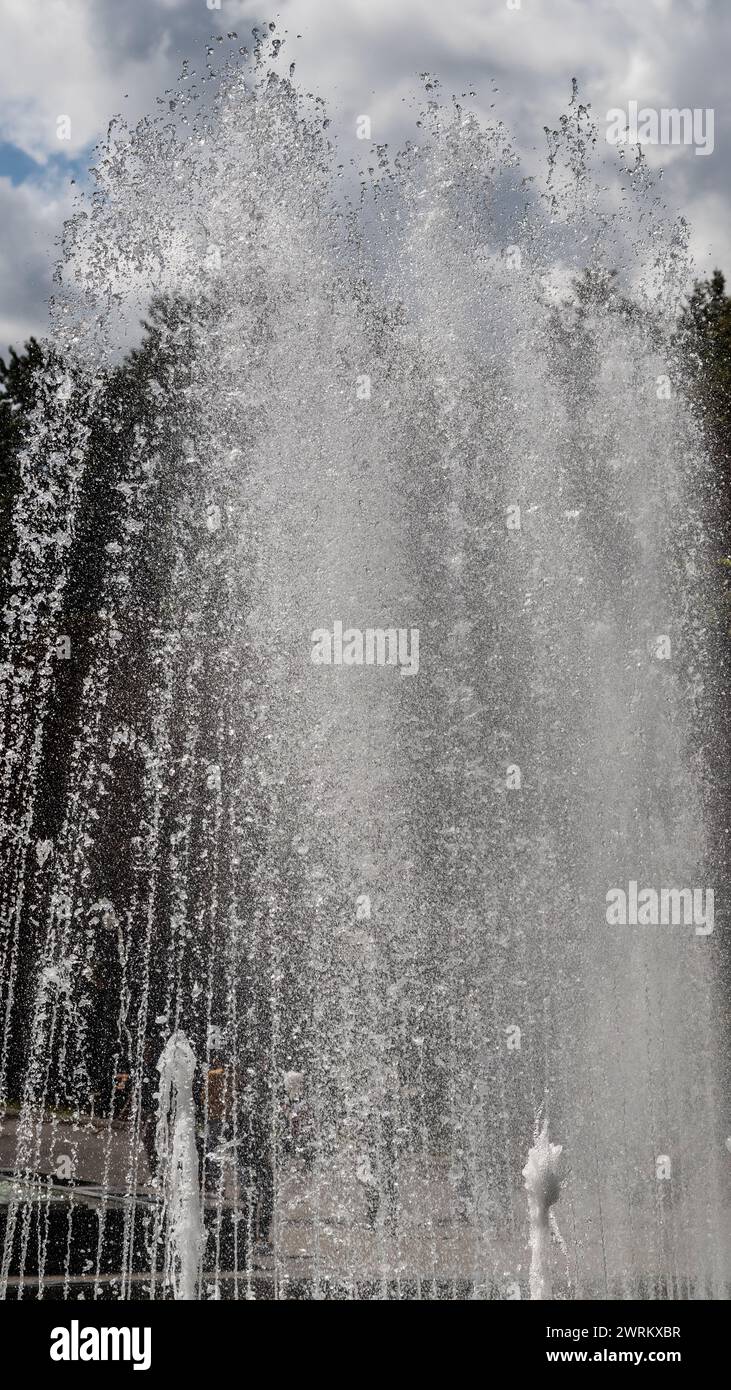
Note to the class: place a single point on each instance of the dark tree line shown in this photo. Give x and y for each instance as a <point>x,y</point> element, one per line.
<point>126,409</point>
<point>140,414</point>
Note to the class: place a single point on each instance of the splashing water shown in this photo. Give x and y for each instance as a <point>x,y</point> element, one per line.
<point>543,1186</point>
<point>177,1161</point>
<point>382,403</point>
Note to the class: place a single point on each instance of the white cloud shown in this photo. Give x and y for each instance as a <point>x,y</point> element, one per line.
<point>31,217</point>
<point>50,66</point>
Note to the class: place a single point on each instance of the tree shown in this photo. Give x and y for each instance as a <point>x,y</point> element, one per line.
<point>705,331</point>
<point>20,379</point>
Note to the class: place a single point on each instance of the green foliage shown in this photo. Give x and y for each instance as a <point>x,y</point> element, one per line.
<point>705,330</point>
<point>20,379</point>
<point>705,337</point>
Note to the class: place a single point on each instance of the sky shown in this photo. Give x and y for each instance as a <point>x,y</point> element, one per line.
<point>87,60</point>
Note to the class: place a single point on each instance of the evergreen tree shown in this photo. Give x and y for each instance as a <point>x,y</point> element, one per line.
<point>705,330</point>
<point>20,378</point>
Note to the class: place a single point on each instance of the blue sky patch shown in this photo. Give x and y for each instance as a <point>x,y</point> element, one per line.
<point>20,167</point>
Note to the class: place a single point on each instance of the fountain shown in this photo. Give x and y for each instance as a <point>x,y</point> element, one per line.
<point>359,920</point>
<point>177,1159</point>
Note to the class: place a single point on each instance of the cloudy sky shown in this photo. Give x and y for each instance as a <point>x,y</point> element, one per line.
<point>89,59</point>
